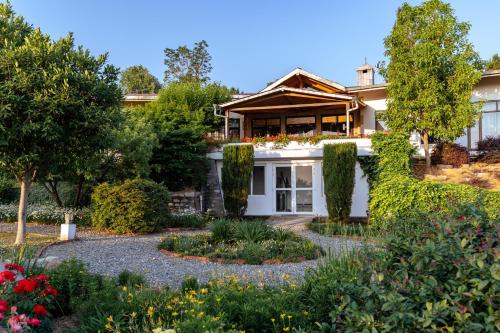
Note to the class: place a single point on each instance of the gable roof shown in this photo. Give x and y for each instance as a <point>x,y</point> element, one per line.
<point>310,79</point>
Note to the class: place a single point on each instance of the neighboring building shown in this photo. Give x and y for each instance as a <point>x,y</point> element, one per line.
<point>138,99</point>
<point>289,180</point>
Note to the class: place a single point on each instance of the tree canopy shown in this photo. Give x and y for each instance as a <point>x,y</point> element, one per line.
<point>493,62</point>
<point>432,71</point>
<point>138,80</point>
<point>188,65</point>
<point>57,102</point>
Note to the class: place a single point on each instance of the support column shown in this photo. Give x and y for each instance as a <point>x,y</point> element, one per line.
<point>348,126</point>
<point>226,125</point>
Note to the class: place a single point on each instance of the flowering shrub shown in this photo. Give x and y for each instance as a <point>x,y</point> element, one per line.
<point>24,301</point>
<point>46,214</point>
<point>282,140</point>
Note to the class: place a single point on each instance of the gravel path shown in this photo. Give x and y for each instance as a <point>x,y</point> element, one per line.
<point>109,255</point>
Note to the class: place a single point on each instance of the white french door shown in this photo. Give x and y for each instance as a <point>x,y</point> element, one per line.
<point>293,187</point>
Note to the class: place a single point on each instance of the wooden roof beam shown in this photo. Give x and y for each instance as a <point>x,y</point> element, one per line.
<point>290,106</point>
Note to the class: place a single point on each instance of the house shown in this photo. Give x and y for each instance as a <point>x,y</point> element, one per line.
<point>287,179</point>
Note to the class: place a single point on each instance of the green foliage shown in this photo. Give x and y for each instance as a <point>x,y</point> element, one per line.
<point>343,229</point>
<point>493,63</point>
<point>339,162</point>
<point>236,172</point>
<point>130,279</point>
<point>187,221</point>
<point>394,153</point>
<point>190,283</point>
<point>180,160</point>
<point>402,196</point>
<point>138,80</point>
<point>433,69</point>
<point>188,65</point>
<point>369,165</point>
<point>252,242</point>
<point>450,153</point>
<point>133,206</point>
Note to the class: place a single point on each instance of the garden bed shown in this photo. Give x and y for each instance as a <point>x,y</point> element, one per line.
<point>242,242</point>
<point>355,228</point>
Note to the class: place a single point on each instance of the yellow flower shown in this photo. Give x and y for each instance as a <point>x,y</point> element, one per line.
<point>175,314</point>
<point>110,319</point>
<point>204,290</point>
<point>289,317</point>
<point>151,311</point>
<point>282,316</point>
<point>286,329</point>
<point>241,331</point>
<point>170,307</point>
<point>133,314</point>
<point>273,320</point>
<point>306,313</point>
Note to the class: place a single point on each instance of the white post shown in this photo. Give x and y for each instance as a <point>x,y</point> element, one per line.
<point>68,229</point>
<point>348,127</point>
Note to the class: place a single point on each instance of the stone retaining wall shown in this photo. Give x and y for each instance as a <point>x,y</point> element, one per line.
<point>185,202</point>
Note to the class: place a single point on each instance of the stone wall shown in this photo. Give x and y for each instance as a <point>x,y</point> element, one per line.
<point>186,201</point>
<point>214,203</point>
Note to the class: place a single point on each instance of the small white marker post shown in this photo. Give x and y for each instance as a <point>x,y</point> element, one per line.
<point>68,229</point>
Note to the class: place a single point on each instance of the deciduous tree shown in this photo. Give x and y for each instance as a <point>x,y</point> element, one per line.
<point>56,102</point>
<point>138,80</point>
<point>494,62</point>
<point>188,65</point>
<point>432,71</point>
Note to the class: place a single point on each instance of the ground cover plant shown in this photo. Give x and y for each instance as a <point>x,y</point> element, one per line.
<point>250,242</point>
<point>350,229</point>
<point>431,273</point>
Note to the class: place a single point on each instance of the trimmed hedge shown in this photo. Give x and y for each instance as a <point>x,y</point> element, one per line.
<point>133,206</point>
<point>339,162</point>
<point>400,197</point>
<point>237,169</point>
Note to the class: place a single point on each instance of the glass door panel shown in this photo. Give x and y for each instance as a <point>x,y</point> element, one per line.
<point>303,201</point>
<point>284,201</point>
<point>284,189</point>
<point>284,177</point>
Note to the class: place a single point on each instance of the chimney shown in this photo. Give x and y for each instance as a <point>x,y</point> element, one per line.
<point>366,75</point>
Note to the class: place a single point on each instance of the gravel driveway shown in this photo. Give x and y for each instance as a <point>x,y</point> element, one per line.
<point>109,255</point>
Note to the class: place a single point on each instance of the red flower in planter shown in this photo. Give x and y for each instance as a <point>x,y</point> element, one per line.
<point>34,322</point>
<point>14,267</point>
<point>7,276</point>
<point>3,306</point>
<point>26,286</point>
<point>40,310</point>
<point>43,277</point>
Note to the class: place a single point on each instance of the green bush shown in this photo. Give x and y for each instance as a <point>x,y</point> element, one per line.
<point>402,196</point>
<point>252,241</point>
<point>134,206</point>
<point>236,172</point>
<point>187,221</point>
<point>394,152</point>
<point>339,162</point>
<point>130,279</point>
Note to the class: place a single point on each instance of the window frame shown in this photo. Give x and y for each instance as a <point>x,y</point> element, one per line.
<point>251,181</point>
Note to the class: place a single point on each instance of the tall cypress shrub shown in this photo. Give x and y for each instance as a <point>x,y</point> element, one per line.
<point>236,172</point>
<point>339,162</point>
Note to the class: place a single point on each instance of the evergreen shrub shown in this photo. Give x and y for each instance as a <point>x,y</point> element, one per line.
<point>236,172</point>
<point>133,206</point>
<point>339,162</point>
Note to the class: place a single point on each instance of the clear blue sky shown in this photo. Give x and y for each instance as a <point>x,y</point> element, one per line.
<point>251,42</point>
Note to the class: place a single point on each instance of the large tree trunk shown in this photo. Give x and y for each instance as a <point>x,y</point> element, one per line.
<point>425,138</point>
<point>23,207</point>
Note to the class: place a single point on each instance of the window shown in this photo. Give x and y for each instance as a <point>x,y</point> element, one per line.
<point>335,124</point>
<point>300,125</point>
<point>487,125</point>
<point>234,128</point>
<point>258,181</point>
<point>265,127</point>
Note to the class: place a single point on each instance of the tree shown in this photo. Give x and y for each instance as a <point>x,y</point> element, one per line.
<point>432,71</point>
<point>180,116</point>
<point>124,153</point>
<point>138,80</point>
<point>188,65</point>
<point>494,62</point>
<point>56,102</point>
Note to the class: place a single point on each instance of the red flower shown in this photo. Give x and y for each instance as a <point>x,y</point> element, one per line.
<point>7,276</point>
<point>40,310</point>
<point>3,306</point>
<point>26,286</point>
<point>43,277</point>
<point>14,267</point>
<point>34,322</point>
<point>49,290</point>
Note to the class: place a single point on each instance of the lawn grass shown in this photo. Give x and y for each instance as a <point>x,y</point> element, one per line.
<point>33,240</point>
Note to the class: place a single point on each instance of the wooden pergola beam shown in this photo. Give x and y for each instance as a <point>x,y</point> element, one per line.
<point>289,106</point>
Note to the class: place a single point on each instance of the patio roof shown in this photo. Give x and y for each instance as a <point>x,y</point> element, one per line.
<point>299,78</point>
<point>287,98</point>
